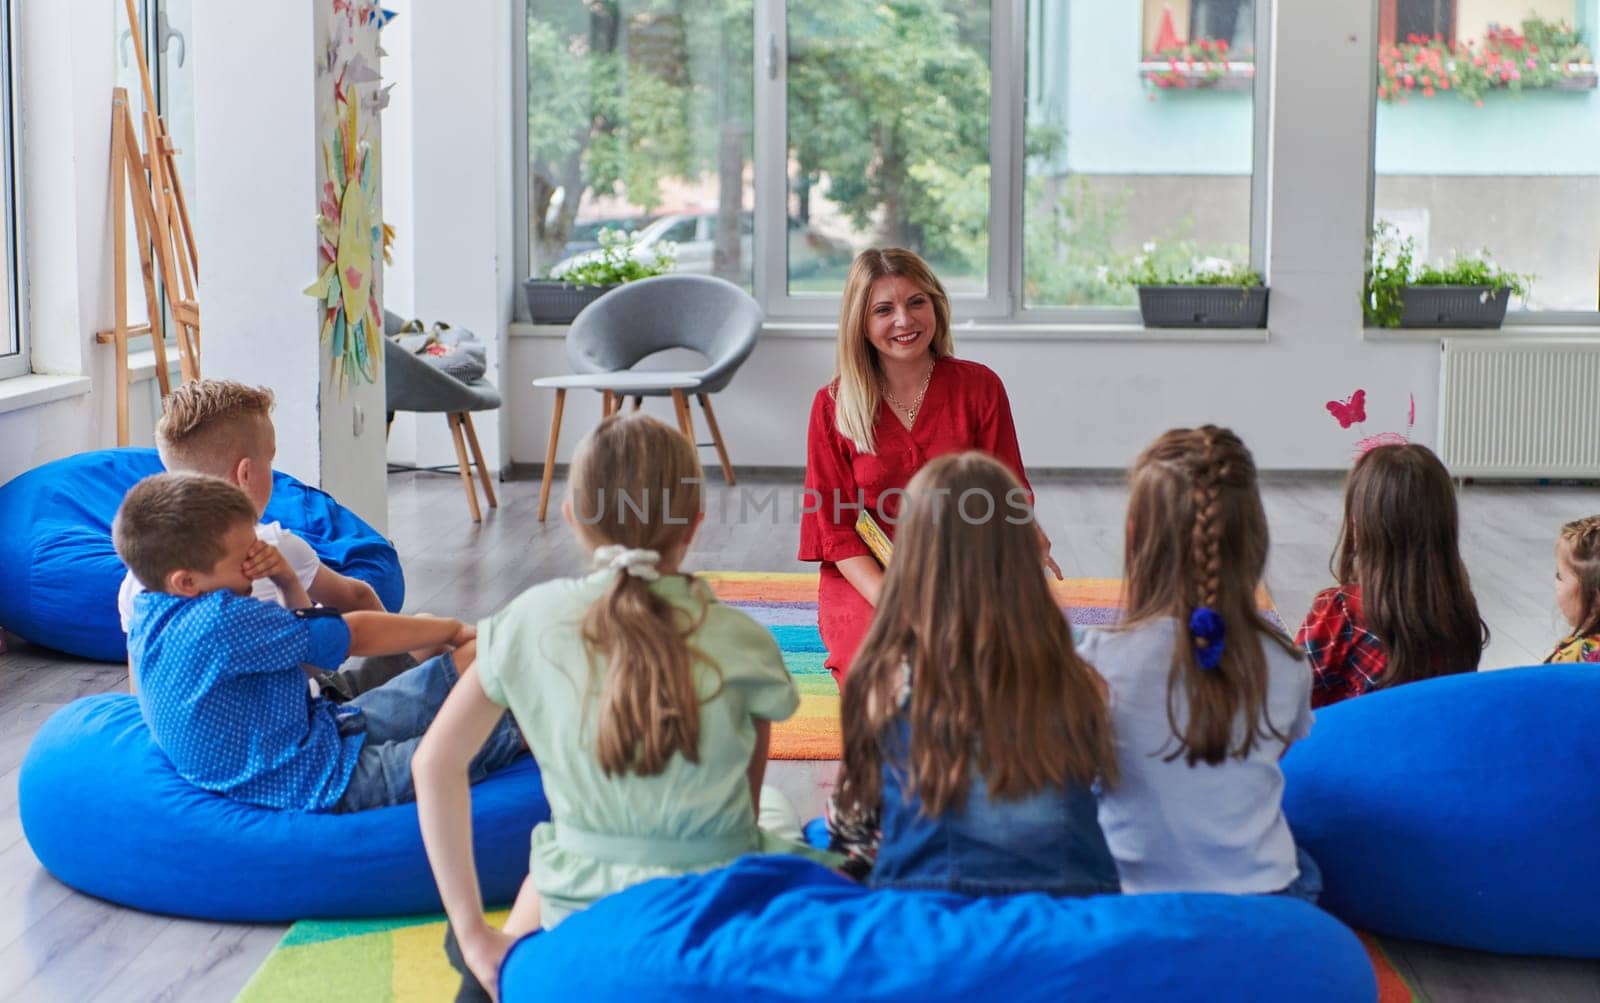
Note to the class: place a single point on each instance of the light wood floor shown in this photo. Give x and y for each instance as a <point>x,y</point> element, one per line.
<point>58,945</point>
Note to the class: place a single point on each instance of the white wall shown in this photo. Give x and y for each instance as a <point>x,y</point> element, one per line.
<point>452,70</point>
<point>1097,403</point>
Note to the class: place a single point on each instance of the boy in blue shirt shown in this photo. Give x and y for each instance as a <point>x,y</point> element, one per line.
<point>222,675</point>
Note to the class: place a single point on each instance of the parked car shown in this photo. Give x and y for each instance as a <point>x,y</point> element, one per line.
<point>695,236</point>
<point>585,233</point>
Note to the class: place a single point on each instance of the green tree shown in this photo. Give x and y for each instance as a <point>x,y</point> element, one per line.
<point>624,95</point>
<point>889,108</point>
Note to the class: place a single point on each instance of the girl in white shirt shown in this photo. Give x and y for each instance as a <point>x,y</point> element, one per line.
<point>1206,693</point>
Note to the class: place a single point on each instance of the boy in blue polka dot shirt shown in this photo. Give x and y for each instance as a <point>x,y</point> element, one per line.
<point>222,675</point>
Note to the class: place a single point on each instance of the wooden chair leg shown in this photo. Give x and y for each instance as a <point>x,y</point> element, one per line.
<point>550,454</point>
<point>607,400</point>
<point>477,457</point>
<point>637,400</point>
<point>680,404</point>
<point>716,438</point>
<point>466,470</point>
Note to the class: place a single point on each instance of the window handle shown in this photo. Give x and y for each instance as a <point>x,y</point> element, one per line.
<point>167,36</point>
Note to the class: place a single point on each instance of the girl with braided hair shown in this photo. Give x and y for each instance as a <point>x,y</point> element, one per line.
<point>1206,693</point>
<point>1578,590</point>
<point>1403,609</point>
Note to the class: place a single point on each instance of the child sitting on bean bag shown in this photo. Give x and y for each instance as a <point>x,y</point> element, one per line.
<point>1578,590</point>
<point>222,675</point>
<point>224,429</point>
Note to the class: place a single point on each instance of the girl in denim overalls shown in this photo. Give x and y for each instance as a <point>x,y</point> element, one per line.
<point>973,732</point>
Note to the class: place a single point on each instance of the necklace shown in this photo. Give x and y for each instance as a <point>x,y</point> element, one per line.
<point>916,405</point>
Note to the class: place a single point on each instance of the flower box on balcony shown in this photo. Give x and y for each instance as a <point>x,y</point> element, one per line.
<point>1203,306</point>
<point>1453,306</point>
<point>551,301</point>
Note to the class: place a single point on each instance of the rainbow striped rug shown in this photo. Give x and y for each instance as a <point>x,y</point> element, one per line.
<point>786,604</point>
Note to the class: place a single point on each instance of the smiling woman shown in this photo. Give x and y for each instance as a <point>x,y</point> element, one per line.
<point>898,399</point>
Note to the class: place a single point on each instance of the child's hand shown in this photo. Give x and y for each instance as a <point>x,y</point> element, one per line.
<point>263,560</point>
<point>484,953</point>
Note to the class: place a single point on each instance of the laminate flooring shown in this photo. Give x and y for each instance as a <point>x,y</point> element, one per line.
<point>56,944</point>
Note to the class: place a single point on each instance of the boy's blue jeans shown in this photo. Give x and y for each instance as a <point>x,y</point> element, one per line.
<point>394,717</point>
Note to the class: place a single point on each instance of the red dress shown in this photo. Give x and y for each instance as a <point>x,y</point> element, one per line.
<point>965,408</point>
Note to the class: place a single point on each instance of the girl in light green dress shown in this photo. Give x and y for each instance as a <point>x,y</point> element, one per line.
<point>647,703</point>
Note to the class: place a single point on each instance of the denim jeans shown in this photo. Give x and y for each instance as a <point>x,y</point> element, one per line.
<point>1308,886</point>
<point>394,717</point>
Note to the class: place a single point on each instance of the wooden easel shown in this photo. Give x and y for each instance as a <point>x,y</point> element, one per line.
<point>164,236</point>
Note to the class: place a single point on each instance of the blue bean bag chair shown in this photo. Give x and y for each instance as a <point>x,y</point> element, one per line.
<point>62,573</point>
<point>1461,810</point>
<point>105,812</point>
<point>781,928</point>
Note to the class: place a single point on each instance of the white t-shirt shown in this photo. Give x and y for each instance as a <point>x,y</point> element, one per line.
<point>1173,827</point>
<point>296,551</point>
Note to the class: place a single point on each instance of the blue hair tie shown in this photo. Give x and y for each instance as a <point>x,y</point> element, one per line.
<point>1209,632</point>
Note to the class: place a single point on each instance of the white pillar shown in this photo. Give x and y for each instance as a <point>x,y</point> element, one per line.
<point>262,113</point>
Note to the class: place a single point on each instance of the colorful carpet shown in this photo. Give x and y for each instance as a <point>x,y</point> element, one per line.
<point>786,604</point>
<point>402,961</point>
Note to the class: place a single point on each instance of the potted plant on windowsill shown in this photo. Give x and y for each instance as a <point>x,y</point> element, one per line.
<point>1470,291</point>
<point>580,280</point>
<point>1206,292</point>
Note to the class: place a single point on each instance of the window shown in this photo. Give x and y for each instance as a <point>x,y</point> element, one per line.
<point>639,115</point>
<point>1029,149</point>
<point>1488,138</point>
<point>13,334</point>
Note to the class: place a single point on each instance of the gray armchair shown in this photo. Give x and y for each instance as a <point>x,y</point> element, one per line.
<point>411,384</point>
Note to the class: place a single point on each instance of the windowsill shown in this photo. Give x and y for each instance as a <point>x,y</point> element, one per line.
<point>1558,332</point>
<point>34,389</point>
<point>142,365</point>
<point>987,331</point>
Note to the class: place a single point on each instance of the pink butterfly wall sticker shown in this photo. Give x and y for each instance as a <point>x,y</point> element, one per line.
<point>1351,410</point>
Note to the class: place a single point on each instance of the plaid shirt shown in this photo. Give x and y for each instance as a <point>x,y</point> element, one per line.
<point>1346,657</point>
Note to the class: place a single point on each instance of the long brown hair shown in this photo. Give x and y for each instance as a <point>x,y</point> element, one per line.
<point>1581,538</point>
<point>635,483</point>
<point>1399,545</point>
<point>855,369</point>
<point>1197,537</point>
<point>996,680</point>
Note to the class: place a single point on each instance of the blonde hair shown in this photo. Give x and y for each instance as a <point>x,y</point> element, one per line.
<point>176,522</point>
<point>1400,545</point>
<point>1582,540</point>
<point>996,681</point>
<point>1197,537</point>
<point>635,482</point>
<point>208,426</point>
<point>856,378</point>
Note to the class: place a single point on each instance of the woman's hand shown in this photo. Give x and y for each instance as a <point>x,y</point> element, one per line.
<point>1049,562</point>
<point>864,573</point>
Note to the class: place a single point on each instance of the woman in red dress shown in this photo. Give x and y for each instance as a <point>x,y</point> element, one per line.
<point>898,399</point>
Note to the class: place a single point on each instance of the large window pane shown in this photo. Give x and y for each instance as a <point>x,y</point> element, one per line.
<point>1139,143</point>
<point>888,122</point>
<point>1488,137</point>
<point>639,119</point>
<point>13,348</point>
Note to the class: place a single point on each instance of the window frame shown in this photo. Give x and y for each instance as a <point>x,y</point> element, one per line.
<point>18,363</point>
<point>1002,305</point>
<point>1381,9</point>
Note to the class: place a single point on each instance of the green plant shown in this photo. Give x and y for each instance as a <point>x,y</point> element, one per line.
<point>621,258</point>
<point>1391,266</point>
<point>1543,54</point>
<point>1180,264</point>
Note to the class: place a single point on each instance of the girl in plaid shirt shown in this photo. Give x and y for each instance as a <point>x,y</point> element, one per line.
<point>1578,590</point>
<point>1403,609</point>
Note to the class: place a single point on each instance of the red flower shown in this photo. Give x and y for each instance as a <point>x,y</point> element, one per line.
<point>1383,92</point>
<point>1409,81</point>
<point>1427,92</point>
<point>1444,83</point>
<point>1222,45</point>
<point>1533,49</point>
